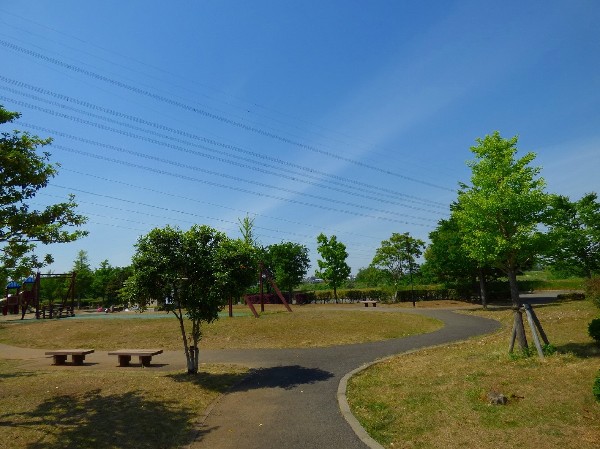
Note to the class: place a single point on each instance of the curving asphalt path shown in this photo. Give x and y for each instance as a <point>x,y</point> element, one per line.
<point>290,400</point>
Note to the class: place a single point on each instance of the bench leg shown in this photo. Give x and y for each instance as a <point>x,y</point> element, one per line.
<point>124,360</point>
<point>145,360</point>
<point>59,359</point>
<point>78,359</point>
<point>366,304</point>
<point>374,304</point>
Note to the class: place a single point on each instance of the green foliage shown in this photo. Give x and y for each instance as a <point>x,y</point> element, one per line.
<point>592,290</point>
<point>398,256</point>
<point>191,273</point>
<point>499,214</point>
<point>596,387</point>
<point>332,267</point>
<point>24,172</point>
<point>446,258</point>
<point>594,329</point>
<point>574,234</point>
<point>289,264</point>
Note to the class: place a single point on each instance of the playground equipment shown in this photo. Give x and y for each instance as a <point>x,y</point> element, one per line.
<point>27,294</point>
<point>263,275</point>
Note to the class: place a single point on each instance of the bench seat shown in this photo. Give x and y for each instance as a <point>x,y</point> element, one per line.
<point>77,355</point>
<point>145,355</point>
<point>367,302</point>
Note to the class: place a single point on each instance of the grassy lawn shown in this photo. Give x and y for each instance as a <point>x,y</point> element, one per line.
<point>49,408</point>
<point>307,326</point>
<point>104,409</point>
<point>437,398</point>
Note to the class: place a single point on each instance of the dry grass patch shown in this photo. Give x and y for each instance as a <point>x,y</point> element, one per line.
<point>437,398</point>
<point>105,409</point>
<point>306,327</point>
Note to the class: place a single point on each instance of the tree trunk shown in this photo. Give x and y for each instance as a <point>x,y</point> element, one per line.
<point>518,315</point>
<point>335,294</point>
<point>482,288</point>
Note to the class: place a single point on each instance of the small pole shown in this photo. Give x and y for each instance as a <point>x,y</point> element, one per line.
<point>536,339</point>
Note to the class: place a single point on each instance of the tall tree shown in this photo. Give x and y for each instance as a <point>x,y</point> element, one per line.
<point>333,267</point>
<point>289,264</point>
<point>192,274</point>
<point>499,214</point>
<point>23,172</point>
<point>398,257</point>
<point>574,232</point>
<point>449,261</point>
<point>84,276</point>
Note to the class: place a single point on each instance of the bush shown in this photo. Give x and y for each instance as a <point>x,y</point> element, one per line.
<point>571,296</point>
<point>594,329</point>
<point>305,298</point>
<point>592,290</point>
<point>596,387</point>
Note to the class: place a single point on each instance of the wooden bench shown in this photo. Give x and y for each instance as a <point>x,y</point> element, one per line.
<point>366,303</point>
<point>77,355</point>
<point>145,355</point>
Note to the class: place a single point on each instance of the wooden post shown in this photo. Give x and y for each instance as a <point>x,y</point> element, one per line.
<point>534,333</point>
<point>513,337</point>
<point>533,316</point>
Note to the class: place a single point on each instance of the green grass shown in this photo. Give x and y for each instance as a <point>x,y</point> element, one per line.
<point>307,326</point>
<point>105,409</point>
<point>438,397</point>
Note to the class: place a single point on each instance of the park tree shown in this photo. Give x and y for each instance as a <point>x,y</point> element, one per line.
<point>191,274</point>
<point>332,267</point>
<point>108,281</point>
<point>288,262</point>
<point>448,260</point>
<point>500,212</point>
<point>84,276</point>
<point>370,277</point>
<point>398,257</point>
<point>574,234</point>
<point>23,173</point>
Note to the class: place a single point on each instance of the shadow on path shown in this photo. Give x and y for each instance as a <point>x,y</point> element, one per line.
<point>286,377</point>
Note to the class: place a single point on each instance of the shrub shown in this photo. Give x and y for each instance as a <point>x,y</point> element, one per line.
<point>596,387</point>
<point>571,296</point>
<point>305,298</point>
<point>594,329</point>
<point>592,290</point>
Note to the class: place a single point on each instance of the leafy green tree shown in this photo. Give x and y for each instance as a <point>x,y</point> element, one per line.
<point>191,274</point>
<point>370,277</point>
<point>23,172</point>
<point>289,264</point>
<point>84,276</point>
<point>333,267</point>
<point>449,261</point>
<point>398,257</point>
<point>108,281</point>
<point>499,214</point>
<point>574,232</point>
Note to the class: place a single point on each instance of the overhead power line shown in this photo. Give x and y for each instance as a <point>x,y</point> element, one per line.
<point>308,172</point>
<point>213,116</point>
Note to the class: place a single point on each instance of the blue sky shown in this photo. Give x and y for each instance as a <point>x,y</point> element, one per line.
<point>343,117</point>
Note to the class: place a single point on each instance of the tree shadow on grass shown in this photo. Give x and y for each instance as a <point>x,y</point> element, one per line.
<point>13,375</point>
<point>581,350</point>
<point>124,421</point>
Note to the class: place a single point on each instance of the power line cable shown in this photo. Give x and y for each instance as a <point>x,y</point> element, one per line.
<point>207,114</point>
<point>261,157</point>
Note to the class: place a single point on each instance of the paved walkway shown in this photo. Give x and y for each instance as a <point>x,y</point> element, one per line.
<point>290,399</point>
